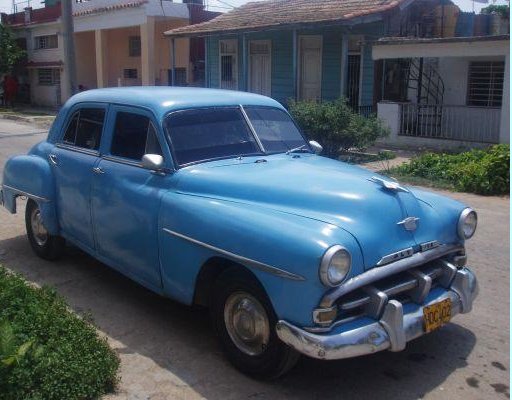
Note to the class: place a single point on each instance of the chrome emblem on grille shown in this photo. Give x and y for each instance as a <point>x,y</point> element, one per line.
<point>395,256</point>
<point>410,223</point>
<point>429,245</point>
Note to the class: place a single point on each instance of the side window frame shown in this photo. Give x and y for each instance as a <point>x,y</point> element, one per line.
<point>106,145</point>
<point>69,118</point>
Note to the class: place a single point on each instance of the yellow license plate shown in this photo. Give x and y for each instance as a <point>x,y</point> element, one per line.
<point>436,315</point>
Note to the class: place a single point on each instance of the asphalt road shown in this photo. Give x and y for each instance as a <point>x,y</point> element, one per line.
<point>168,350</point>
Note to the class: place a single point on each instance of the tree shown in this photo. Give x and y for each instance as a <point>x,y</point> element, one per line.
<point>10,52</point>
<point>503,10</point>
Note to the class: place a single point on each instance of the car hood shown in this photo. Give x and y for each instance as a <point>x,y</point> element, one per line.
<point>330,191</point>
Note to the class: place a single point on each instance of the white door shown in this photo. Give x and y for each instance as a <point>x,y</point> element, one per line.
<point>310,68</point>
<point>260,67</point>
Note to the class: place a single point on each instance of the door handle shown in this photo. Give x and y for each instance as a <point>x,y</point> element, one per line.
<point>98,170</point>
<point>53,159</point>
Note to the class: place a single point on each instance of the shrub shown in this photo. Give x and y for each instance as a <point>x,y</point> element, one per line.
<point>335,126</point>
<point>484,172</point>
<point>46,351</point>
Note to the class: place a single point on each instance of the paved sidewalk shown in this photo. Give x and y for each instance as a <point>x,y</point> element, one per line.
<point>40,117</point>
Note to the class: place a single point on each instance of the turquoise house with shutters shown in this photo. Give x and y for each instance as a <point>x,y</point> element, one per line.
<point>303,49</point>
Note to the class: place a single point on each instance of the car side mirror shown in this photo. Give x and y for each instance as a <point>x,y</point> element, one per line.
<point>153,162</point>
<point>317,147</point>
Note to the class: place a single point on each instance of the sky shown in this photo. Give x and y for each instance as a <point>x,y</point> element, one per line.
<point>224,5</point>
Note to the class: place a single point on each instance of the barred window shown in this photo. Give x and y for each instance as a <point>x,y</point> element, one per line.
<point>130,73</point>
<point>48,76</point>
<point>46,42</point>
<point>485,84</point>
<point>181,77</point>
<point>134,46</point>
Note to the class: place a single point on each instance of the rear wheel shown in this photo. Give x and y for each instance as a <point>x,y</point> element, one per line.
<point>245,323</point>
<point>45,245</point>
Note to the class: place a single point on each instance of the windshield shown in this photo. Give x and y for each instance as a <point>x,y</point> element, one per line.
<point>275,129</point>
<point>209,134</point>
<point>223,132</point>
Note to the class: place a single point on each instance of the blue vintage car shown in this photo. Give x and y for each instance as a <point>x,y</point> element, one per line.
<point>215,198</point>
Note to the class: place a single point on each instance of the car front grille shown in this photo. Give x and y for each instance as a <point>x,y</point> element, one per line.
<point>409,286</point>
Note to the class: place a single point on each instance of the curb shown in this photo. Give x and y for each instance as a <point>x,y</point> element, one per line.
<point>41,122</point>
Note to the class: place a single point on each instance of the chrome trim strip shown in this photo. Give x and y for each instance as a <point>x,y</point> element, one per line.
<point>251,127</point>
<point>69,147</point>
<point>395,256</point>
<point>23,193</point>
<point>392,331</point>
<point>242,260</point>
<point>378,273</point>
<point>121,160</point>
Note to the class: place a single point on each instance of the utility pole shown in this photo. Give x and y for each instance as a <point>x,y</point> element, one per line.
<point>69,45</point>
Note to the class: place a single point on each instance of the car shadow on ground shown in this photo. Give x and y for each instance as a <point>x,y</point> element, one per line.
<point>153,334</point>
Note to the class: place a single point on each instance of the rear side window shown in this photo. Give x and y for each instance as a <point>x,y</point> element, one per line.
<point>134,136</point>
<point>85,128</point>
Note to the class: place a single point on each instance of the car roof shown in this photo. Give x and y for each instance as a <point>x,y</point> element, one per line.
<point>163,99</point>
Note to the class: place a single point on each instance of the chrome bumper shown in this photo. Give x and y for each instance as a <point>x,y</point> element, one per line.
<point>391,332</point>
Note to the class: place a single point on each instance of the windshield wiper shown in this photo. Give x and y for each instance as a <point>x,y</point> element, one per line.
<point>298,149</point>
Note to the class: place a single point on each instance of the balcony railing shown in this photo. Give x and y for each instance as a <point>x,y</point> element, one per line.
<point>471,124</point>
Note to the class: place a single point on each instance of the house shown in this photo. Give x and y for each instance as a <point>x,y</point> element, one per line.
<point>435,72</point>
<point>445,92</point>
<point>302,49</point>
<point>117,43</point>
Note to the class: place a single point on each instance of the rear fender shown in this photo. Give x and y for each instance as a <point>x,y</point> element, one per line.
<point>31,176</point>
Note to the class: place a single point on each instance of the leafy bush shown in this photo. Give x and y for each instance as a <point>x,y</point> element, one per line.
<point>335,126</point>
<point>484,172</point>
<point>47,352</point>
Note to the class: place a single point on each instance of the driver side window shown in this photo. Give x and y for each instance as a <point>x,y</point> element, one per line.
<point>134,136</point>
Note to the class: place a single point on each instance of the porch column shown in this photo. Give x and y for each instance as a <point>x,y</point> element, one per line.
<point>147,53</point>
<point>173,62</point>
<point>245,68</point>
<point>100,39</point>
<point>206,63</point>
<point>505,104</point>
<point>344,66</point>
<point>295,61</point>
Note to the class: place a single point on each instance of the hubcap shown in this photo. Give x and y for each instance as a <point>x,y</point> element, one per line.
<point>38,230</point>
<point>247,323</point>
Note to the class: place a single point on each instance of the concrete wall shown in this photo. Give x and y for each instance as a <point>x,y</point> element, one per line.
<point>85,60</point>
<point>163,59</point>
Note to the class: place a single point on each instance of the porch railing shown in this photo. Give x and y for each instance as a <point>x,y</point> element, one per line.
<point>471,124</point>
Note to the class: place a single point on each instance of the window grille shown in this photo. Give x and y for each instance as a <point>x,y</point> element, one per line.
<point>485,83</point>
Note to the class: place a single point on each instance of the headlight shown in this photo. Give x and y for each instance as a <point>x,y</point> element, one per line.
<point>335,265</point>
<point>467,223</point>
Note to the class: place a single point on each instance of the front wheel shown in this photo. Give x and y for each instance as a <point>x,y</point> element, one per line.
<point>45,245</point>
<point>245,323</point>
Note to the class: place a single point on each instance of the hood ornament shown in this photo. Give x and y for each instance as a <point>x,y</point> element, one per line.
<point>389,185</point>
<point>410,224</point>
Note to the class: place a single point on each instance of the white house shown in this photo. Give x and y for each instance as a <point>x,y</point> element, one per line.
<point>445,92</point>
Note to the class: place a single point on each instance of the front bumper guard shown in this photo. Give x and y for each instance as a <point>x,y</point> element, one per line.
<point>391,332</point>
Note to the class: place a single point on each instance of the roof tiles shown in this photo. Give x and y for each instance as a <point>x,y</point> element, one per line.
<point>266,14</point>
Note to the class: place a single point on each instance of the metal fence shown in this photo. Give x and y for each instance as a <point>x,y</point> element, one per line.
<point>472,124</point>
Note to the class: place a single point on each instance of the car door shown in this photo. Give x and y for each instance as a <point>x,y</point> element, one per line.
<point>73,158</point>
<point>126,196</point>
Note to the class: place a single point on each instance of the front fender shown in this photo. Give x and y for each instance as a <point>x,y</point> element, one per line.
<point>31,176</point>
<point>285,241</point>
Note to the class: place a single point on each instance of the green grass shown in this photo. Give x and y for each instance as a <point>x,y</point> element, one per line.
<point>46,351</point>
<point>485,172</point>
